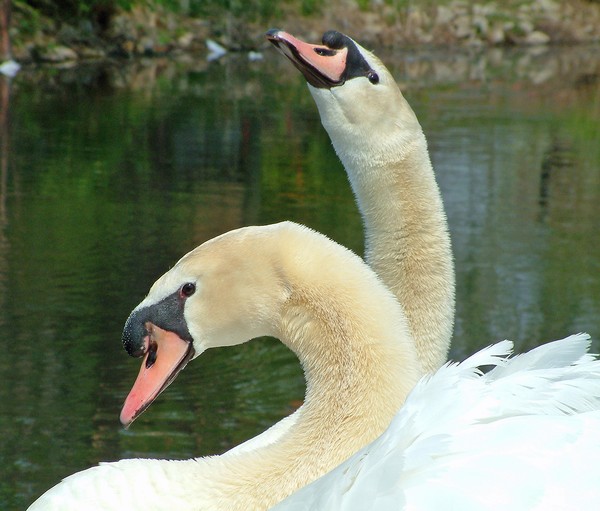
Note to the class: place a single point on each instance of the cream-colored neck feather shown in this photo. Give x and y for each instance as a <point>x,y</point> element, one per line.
<point>346,328</point>
<point>382,147</point>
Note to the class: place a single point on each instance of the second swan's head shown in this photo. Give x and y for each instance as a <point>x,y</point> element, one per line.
<point>359,101</point>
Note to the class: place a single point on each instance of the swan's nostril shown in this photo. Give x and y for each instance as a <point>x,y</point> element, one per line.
<point>152,351</point>
<point>324,52</point>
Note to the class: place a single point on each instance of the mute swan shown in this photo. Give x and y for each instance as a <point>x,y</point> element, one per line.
<point>522,437</point>
<point>381,144</point>
<point>437,444</point>
<point>286,281</point>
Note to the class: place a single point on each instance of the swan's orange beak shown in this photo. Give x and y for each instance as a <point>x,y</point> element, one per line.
<point>165,355</point>
<point>322,66</point>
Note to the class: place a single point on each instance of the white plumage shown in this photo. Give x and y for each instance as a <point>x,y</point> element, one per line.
<point>524,436</point>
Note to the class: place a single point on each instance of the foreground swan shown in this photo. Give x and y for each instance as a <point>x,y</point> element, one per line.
<point>381,144</point>
<point>525,436</point>
<point>285,281</point>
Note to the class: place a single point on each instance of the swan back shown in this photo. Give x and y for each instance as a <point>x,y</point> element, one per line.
<point>522,436</point>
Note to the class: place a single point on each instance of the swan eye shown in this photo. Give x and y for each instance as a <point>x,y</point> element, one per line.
<point>187,290</point>
<point>373,77</point>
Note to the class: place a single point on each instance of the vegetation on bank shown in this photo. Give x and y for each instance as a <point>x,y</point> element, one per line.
<point>97,28</point>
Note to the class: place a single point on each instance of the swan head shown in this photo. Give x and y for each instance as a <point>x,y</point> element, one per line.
<point>359,102</point>
<point>222,293</point>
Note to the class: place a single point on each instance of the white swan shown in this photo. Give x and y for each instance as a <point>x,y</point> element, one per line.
<point>522,437</point>
<point>407,244</point>
<point>383,149</point>
<point>289,282</point>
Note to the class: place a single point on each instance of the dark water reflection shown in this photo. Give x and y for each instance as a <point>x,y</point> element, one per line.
<point>110,174</point>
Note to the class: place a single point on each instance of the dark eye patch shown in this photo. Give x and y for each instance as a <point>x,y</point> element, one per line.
<point>356,65</point>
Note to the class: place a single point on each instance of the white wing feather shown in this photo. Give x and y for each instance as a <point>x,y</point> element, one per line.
<point>524,436</point>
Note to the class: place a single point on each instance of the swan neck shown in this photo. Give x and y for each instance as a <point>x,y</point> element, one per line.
<point>364,354</point>
<point>407,237</point>
<point>360,364</point>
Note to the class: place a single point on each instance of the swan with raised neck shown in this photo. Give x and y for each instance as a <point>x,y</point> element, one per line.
<point>286,281</point>
<point>380,142</point>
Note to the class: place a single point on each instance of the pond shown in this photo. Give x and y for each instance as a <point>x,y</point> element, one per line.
<point>109,173</point>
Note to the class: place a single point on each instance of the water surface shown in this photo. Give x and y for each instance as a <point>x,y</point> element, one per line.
<point>111,173</point>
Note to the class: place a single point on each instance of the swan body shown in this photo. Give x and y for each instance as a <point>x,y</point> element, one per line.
<point>379,140</point>
<point>523,436</point>
<point>285,281</point>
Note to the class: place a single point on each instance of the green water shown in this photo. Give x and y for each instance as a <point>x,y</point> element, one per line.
<point>111,173</point>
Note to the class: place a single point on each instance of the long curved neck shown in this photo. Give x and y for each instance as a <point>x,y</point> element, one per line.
<point>359,368</point>
<point>360,363</point>
<point>406,232</point>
